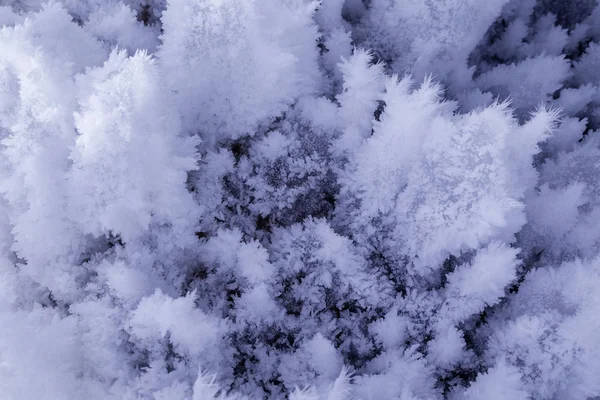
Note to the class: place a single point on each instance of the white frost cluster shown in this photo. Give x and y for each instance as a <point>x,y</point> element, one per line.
<point>313,200</point>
